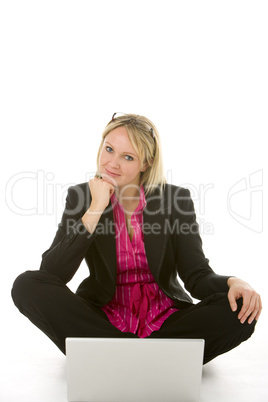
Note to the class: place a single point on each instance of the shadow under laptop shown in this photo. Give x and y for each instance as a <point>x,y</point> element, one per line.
<point>209,371</point>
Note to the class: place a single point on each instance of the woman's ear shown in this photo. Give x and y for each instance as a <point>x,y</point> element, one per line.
<point>146,165</point>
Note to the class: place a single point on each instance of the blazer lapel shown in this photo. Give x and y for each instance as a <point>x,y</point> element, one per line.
<point>154,228</point>
<point>106,242</point>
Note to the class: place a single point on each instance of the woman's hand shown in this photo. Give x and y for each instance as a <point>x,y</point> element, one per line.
<point>101,192</point>
<point>252,304</point>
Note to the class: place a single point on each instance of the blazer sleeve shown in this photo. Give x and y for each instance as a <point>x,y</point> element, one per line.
<point>71,242</point>
<point>193,267</point>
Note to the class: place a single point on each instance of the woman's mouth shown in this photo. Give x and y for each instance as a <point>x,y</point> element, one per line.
<point>111,173</point>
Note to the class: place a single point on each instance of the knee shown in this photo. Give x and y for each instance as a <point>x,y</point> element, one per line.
<point>242,331</point>
<point>229,319</point>
<point>29,286</point>
<point>23,285</point>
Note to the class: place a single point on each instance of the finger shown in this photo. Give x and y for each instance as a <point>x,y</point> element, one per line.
<point>260,309</point>
<point>232,301</point>
<point>108,179</point>
<point>111,191</point>
<point>255,312</point>
<point>251,308</point>
<point>253,315</point>
<point>246,304</point>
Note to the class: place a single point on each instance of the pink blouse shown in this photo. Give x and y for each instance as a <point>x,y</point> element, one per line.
<point>139,305</point>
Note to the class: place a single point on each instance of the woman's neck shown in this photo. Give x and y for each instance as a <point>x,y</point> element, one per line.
<point>127,196</point>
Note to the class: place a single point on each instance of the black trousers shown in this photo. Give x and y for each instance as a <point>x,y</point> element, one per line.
<point>59,313</point>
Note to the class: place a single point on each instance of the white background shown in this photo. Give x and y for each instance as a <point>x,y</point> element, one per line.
<point>198,70</point>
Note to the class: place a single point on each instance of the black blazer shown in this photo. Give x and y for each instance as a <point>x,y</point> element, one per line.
<point>172,243</point>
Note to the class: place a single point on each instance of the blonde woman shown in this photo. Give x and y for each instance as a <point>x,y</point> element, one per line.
<point>137,233</point>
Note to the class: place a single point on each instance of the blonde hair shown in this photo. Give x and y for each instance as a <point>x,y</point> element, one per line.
<point>147,146</point>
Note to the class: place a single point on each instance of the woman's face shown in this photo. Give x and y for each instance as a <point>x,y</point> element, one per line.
<point>119,163</point>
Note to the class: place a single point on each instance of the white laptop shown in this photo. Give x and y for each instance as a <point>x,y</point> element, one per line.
<point>134,370</point>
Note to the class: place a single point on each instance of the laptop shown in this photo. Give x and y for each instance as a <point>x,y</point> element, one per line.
<point>133,370</point>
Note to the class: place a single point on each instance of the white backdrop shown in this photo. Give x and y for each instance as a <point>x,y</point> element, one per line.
<point>197,69</point>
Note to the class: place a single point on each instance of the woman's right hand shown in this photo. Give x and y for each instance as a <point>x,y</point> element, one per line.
<point>101,192</point>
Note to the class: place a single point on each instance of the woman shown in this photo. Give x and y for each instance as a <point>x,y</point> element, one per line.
<point>136,233</point>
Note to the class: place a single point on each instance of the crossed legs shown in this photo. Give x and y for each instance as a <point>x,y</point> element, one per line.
<point>59,313</point>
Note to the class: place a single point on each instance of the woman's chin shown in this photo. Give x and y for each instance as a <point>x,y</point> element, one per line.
<point>108,178</point>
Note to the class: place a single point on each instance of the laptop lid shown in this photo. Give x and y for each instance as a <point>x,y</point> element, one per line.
<point>133,370</point>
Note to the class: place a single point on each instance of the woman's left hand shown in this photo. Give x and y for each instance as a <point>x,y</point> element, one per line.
<point>252,304</point>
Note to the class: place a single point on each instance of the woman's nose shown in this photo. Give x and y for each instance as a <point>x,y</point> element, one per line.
<point>114,162</point>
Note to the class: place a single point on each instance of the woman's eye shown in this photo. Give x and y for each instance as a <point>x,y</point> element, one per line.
<point>109,149</point>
